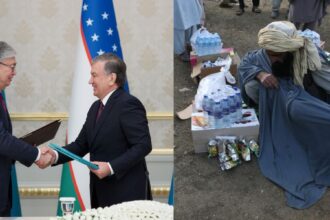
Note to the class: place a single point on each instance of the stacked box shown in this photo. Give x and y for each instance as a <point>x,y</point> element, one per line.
<point>201,134</point>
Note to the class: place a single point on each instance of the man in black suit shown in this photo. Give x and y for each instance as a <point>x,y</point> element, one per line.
<point>12,148</point>
<point>116,135</point>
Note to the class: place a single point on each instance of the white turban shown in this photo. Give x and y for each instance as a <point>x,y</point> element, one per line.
<point>6,51</point>
<point>281,36</point>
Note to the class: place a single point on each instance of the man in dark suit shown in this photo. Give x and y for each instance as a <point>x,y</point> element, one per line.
<point>12,148</point>
<point>116,135</point>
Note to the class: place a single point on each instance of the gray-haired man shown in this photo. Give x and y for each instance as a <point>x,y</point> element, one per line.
<point>12,148</point>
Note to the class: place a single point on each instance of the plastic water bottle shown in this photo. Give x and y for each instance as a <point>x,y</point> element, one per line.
<point>214,44</point>
<point>218,43</point>
<point>208,46</point>
<point>210,111</point>
<point>218,115</point>
<point>217,95</point>
<point>232,108</point>
<point>198,45</point>
<point>205,107</point>
<point>201,46</point>
<point>225,113</point>
<point>238,103</point>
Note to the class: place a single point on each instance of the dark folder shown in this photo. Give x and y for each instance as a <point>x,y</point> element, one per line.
<point>42,134</point>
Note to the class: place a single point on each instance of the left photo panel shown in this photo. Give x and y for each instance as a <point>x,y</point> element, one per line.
<point>105,70</point>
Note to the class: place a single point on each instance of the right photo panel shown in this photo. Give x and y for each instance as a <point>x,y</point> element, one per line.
<point>252,105</point>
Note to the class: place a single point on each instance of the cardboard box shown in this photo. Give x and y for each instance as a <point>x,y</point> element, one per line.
<point>198,72</point>
<point>202,135</point>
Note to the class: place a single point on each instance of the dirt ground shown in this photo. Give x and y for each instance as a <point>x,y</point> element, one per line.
<point>202,191</point>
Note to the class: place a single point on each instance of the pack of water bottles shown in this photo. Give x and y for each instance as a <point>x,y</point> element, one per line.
<point>312,35</point>
<point>220,61</point>
<point>223,107</point>
<point>206,43</point>
<point>213,82</point>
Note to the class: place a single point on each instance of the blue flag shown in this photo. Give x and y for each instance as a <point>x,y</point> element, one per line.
<point>171,194</point>
<point>99,29</point>
<point>16,205</point>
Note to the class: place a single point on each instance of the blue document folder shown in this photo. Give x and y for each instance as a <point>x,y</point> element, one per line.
<point>73,156</point>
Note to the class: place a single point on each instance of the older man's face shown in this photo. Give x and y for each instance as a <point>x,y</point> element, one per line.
<point>283,68</point>
<point>276,56</point>
<point>7,71</point>
<point>102,83</point>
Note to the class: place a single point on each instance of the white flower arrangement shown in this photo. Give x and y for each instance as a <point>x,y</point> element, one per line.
<point>134,210</point>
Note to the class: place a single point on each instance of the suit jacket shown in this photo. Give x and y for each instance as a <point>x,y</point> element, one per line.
<point>11,149</point>
<point>120,137</point>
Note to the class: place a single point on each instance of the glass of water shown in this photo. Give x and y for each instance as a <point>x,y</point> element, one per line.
<point>67,205</point>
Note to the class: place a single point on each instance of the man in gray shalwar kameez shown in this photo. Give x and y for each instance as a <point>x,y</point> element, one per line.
<point>187,15</point>
<point>306,14</point>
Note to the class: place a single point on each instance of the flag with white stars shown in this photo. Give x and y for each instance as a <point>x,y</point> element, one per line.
<point>99,28</point>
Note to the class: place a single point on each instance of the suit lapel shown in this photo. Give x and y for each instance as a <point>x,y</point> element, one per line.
<point>9,123</point>
<point>106,111</point>
<point>6,119</point>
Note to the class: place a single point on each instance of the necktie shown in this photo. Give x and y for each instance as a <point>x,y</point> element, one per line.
<point>3,102</point>
<point>101,107</point>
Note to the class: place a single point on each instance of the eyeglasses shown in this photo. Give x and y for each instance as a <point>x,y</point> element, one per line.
<point>12,66</point>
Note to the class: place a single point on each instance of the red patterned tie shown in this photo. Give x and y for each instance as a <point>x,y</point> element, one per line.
<point>101,107</point>
<point>3,102</point>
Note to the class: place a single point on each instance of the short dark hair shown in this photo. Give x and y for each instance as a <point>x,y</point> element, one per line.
<point>113,64</point>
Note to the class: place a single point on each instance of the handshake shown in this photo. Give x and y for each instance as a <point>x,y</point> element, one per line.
<point>47,157</point>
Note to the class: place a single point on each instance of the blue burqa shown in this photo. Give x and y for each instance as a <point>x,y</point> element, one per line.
<point>294,136</point>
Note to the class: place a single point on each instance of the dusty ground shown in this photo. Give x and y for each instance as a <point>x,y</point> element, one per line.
<point>201,190</point>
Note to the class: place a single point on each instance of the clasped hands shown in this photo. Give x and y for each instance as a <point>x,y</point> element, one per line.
<point>47,157</point>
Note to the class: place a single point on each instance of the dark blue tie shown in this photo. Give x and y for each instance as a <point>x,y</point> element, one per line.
<point>101,107</point>
<point>3,103</point>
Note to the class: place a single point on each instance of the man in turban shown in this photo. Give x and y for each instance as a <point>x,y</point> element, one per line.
<point>294,126</point>
<point>276,40</point>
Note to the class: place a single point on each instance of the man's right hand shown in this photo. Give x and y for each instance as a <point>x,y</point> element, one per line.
<point>48,150</point>
<point>45,160</point>
<point>47,157</point>
<point>268,80</point>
